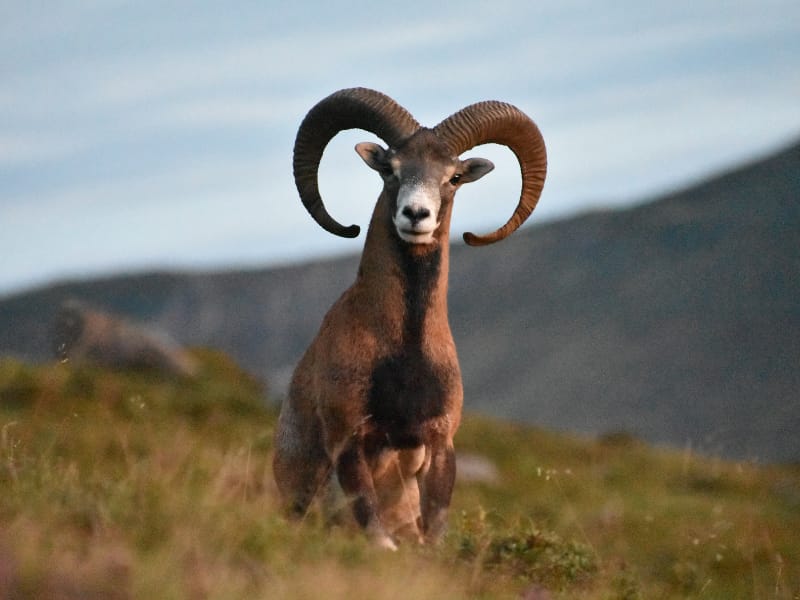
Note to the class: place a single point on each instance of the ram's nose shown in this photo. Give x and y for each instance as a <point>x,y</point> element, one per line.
<point>415,215</point>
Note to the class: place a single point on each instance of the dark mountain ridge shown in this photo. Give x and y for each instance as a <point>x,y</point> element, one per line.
<point>677,320</point>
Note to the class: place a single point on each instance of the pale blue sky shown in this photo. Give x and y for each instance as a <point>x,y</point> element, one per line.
<point>138,135</point>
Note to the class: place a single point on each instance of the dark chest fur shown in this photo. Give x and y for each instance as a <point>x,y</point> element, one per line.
<point>406,389</point>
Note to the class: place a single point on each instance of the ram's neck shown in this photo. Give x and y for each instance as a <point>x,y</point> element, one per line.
<point>405,284</point>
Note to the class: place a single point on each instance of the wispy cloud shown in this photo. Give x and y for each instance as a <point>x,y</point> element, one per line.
<point>122,122</point>
<point>24,149</point>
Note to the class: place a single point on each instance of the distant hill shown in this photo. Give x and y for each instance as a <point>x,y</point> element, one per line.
<point>677,320</point>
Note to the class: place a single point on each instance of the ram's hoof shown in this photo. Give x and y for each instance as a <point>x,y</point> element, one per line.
<point>380,538</point>
<point>386,543</point>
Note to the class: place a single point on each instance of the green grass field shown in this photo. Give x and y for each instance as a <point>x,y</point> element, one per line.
<point>132,486</point>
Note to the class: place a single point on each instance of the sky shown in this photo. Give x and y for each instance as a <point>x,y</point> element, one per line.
<point>158,135</point>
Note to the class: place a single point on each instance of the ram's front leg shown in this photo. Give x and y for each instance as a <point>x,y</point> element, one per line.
<point>355,478</point>
<point>437,489</point>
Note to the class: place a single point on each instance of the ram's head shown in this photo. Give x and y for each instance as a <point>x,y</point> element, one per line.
<point>420,167</point>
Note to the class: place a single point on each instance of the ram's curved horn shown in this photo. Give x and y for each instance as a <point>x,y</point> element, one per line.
<point>353,108</point>
<point>500,123</point>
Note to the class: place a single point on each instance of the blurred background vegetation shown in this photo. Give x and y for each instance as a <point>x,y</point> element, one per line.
<point>134,484</point>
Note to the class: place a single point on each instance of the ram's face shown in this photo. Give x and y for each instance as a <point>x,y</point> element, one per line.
<point>416,217</point>
<point>422,178</point>
<point>423,189</point>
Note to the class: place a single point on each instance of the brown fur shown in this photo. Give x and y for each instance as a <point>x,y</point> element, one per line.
<point>377,397</point>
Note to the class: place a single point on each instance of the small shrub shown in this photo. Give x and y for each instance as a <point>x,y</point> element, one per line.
<point>524,552</point>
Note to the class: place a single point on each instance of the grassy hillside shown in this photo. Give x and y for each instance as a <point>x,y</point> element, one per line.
<point>128,486</point>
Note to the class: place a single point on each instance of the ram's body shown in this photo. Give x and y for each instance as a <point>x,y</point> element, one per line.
<point>382,376</point>
<point>377,397</point>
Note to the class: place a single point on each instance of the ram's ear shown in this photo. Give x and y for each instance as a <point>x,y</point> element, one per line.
<point>475,168</point>
<point>374,155</point>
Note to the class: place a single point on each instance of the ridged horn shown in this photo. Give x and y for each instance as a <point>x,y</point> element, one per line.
<point>353,108</point>
<point>500,123</point>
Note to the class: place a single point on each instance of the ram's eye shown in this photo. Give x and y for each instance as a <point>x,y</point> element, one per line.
<point>455,179</point>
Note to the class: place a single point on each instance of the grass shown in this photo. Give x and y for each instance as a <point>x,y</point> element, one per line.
<point>126,485</point>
